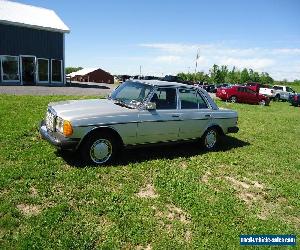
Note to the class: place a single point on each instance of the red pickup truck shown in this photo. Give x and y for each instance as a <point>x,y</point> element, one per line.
<point>242,94</point>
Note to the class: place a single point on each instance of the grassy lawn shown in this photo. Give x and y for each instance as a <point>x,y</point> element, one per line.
<point>175,197</point>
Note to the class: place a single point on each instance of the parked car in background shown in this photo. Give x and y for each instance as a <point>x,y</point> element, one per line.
<point>262,89</point>
<point>295,99</point>
<point>137,113</point>
<point>224,85</point>
<point>242,94</point>
<point>211,88</point>
<point>282,93</point>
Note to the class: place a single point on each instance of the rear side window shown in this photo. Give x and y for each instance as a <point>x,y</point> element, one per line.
<point>278,88</point>
<point>191,99</point>
<point>250,91</point>
<point>241,89</point>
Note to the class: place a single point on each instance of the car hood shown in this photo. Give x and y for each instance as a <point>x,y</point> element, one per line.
<point>76,109</point>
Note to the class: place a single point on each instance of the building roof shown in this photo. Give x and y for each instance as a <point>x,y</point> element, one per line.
<point>82,72</point>
<point>18,14</point>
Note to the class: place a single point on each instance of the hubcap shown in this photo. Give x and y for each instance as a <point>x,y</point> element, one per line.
<point>262,102</point>
<point>233,99</point>
<point>101,151</point>
<point>210,139</point>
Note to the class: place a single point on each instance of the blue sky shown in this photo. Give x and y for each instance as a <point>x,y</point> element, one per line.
<point>164,36</point>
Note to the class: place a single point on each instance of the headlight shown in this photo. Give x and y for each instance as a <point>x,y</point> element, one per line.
<point>64,126</point>
<point>59,124</point>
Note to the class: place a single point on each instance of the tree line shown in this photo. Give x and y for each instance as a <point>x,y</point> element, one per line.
<point>222,74</point>
<point>72,69</point>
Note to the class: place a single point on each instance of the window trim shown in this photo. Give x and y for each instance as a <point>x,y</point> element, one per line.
<point>37,70</point>
<point>10,81</point>
<point>61,69</point>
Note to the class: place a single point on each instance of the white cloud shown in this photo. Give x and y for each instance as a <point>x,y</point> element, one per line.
<point>254,63</point>
<point>176,47</point>
<point>286,51</point>
<point>168,59</point>
<point>179,57</point>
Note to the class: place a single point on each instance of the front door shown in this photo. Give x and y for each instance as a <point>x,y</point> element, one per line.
<point>28,70</point>
<point>162,124</point>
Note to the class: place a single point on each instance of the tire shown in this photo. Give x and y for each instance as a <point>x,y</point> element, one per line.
<point>262,103</point>
<point>210,139</point>
<point>277,98</point>
<point>233,99</point>
<point>99,149</point>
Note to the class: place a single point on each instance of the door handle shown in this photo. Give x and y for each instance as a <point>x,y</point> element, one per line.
<point>175,115</point>
<point>207,115</point>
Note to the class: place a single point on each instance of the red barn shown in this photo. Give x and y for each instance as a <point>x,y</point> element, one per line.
<point>91,75</point>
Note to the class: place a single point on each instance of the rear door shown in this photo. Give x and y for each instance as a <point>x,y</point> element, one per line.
<point>251,96</point>
<point>241,94</point>
<point>195,114</point>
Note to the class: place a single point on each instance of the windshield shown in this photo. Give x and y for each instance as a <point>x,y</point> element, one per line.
<point>131,93</point>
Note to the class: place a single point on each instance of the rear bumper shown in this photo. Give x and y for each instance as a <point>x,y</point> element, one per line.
<point>232,130</point>
<point>58,140</point>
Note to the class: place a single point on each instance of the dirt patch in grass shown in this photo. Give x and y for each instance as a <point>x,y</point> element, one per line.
<point>147,192</point>
<point>172,214</point>
<point>183,165</point>
<point>33,192</point>
<point>175,213</point>
<point>247,190</point>
<point>188,235</point>
<point>206,176</point>
<point>29,210</point>
<point>254,193</point>
<point>148,247</point>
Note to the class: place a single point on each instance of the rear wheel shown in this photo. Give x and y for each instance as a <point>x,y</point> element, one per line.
<point>233,99</point>
<point>210,139</point>
<point>262,103</point>
<point>99,149</point>
<point>277,98</point>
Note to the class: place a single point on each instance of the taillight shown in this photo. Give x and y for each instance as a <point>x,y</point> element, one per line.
<point>295,97</point>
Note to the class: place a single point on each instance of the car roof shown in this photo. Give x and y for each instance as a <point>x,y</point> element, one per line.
<point>163,83</point>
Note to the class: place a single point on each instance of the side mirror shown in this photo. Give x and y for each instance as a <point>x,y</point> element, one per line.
<point>150,106</point>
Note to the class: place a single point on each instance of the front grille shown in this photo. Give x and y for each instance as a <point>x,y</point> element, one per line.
<point>50,120</point>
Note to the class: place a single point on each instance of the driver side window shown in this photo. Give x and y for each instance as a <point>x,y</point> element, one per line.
<point>165,98</point>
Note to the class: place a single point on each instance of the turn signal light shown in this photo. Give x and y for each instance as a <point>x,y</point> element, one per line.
<point>68,129</point>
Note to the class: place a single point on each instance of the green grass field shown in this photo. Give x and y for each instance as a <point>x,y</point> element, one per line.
<point>174,197</point>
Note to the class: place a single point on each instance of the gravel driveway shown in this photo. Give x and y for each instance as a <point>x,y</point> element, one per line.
<point>76,88</point>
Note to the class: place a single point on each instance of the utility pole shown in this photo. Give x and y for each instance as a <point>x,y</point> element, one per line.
<point>196,64</point>
<point>140,71</point>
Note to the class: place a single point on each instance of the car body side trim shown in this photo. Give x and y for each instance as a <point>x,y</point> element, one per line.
<point>176,120</point>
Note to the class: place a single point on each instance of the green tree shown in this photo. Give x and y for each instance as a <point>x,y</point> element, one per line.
<point>72,69</point>
<point>244,76</point>
<point>265,78</point>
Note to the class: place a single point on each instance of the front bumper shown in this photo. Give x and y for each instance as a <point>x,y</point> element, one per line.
<point>58,140</point>
<point>233,129</point>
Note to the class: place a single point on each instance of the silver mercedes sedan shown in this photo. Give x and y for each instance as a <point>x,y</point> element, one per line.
<point>136,113</point>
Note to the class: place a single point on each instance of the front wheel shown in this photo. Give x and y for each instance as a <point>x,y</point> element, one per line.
<point>210,139</point>
<point>99,150</point>
<point>233,99</point>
